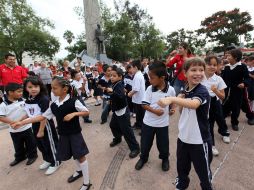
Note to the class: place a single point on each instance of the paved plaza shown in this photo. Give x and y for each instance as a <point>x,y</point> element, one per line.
<point>111,168</point>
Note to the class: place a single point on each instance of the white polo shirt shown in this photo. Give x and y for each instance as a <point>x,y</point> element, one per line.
<point>138,85</point>
<point>214,80</point>
<point>14,111</point>
<point>152,96</point>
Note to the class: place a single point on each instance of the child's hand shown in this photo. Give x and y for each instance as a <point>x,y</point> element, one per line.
<point>40,134</point>
<point>16,125</point>
<point>109,90</point>
<point>159,112</point>
<point>163,102</point>
<point>181,95</point>
<point>241,85</point>
<point>214,88</point>
<point>130,94</point>
<point>171,111</point>
<point>68,117</point>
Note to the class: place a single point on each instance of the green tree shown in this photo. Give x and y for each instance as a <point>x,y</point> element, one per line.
<point>77,47</point>
<point>195,42</point>
<point>130,32</point>
<point>23,31</point>
<point>68,36</point>
<point>226,27</point>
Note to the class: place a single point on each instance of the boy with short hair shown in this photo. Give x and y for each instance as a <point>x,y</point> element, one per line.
<point>194,139</point>
<point>137,92</point>
<point>156,119</point>
<point>11,110</point>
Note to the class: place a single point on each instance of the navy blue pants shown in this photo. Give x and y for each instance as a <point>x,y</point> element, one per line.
<point>162,141</point>
<point>121,126</point>
<point>201,157</point>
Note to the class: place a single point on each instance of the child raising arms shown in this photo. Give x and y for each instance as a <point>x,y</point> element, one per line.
<point>67,110</point>
<point>194,138</point>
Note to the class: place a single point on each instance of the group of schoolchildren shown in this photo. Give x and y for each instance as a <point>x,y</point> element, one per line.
<point>206,98</point>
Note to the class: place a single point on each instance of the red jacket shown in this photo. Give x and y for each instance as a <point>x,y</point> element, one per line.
<point>15,75</point>
<point>178,59</point>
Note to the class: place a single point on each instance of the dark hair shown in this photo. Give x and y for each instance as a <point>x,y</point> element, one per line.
<point>210,57</point>
<point>128,67</point>
<point>186,46</point>
<point>8,55</point>
<point>13,87</point>
<point>65,83</point>
<point>35,80</point>
<point>105,67</point>
<point>73,73</point>
<point>136,63</point>
<point>230,48</point>
<point>158,68</point>
<point>236,54</point>
<point>193,61</point>
<point>31,73</point>
<point>118,71</point>
<point>250,58</point>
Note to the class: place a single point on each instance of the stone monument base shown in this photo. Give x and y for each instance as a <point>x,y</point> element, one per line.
<point>104,59</point>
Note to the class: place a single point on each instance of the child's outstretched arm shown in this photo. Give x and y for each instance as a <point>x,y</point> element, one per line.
<point>27,121</point>
<point>219,93</point>
<point>6,120</point>
<point>158,112</point>
<point>69,116</point>
<point>40,133</point>
<point>187,103</point>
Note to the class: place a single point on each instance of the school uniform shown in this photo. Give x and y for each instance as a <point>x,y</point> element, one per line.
<point>215,111</point>
<point>71,142</point>
<point>106,98</point>
<point>138,86</point>
<point>154,124</point>
<point>23,139</point>
<point>128,80</point>
<point>120,124</point>
<point>97,91</point>
<point>194,140</point>
<point>89,76</point>
<point>233,75</point>
<point>48,143</point>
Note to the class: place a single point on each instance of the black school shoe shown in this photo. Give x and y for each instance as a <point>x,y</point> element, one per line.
<point>72,179</point>
<point>134,153</point>
<point>31,160</point>
<point>88,121</point>
<point>115,142</point>
<point>139,165</point>
<point>235,127</point>
<point>15,162</point>
<point>165,165</point>
<point>86,186</point>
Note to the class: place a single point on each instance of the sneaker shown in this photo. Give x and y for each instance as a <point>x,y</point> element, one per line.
<point>165,165</point>
<point>51,169</point>
<point>215,151</point>
<point>134,115</point>
<point>44,165</point>
<point>226,139</point>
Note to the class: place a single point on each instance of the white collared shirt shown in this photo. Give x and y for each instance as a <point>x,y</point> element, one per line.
<point>138,85</point>
<point>214,80</point>
<point>78,105</point>
<point>234,66</point>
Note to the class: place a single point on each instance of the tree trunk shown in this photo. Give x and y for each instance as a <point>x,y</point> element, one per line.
<point>19,58</point>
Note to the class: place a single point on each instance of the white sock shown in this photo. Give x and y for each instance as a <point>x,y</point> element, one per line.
<point>84,168</point>
<point>78,168</point>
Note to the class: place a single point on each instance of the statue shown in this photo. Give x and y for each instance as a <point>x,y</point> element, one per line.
<point>99,36</point>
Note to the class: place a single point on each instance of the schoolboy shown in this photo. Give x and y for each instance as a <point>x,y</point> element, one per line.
<point>194,138</point>
<point>11,110</point>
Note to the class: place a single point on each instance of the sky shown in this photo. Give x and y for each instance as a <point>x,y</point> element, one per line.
<point>168,15</point>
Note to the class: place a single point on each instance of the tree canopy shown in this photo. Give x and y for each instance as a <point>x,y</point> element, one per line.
<point>226,27</point>
<point>23,31</point>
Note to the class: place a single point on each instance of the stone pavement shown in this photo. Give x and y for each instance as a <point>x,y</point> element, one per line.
<point>111,168</point>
